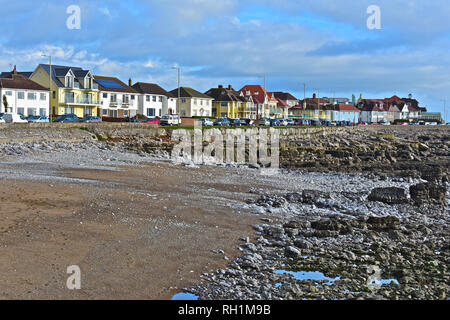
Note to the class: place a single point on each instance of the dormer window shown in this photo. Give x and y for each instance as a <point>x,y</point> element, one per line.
<point>69,81</point>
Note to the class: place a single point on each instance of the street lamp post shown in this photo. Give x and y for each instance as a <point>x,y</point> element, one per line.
<point>50,87</point>
<point>179,88</point>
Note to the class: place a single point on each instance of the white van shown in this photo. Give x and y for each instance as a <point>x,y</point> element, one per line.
<point>14,118</point>
<point>170,120</point>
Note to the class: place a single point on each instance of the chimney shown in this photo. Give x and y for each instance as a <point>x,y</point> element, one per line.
<point>220,86</point>
<point>410,96</point>
<point>15,70</point>
<point>314,96</point>
<point>130,82</point>
<point>230,87</point>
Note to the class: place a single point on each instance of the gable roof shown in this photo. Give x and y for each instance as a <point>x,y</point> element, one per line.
<point>224,94</point>
<point>151,88</point>
<point>284,96</point>
<point>186,92</point>
<point>125,87</point>
<point>18,81</point>
<point>61,71</point>
<point>26,74</point>
<point>346,107</point>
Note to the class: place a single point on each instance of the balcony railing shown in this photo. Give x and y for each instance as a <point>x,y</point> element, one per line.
<point>80,100</point>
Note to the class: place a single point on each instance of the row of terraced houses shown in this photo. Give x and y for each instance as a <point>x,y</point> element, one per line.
<point>56,90</point>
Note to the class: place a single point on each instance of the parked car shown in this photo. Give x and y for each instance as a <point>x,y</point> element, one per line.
<point>385,123</point>
<point>151,120</point>
<point>67,118</point>
<point>38,119</point>
<point>283,122</point>
<point>14,118</point>
<point>2,121</point>
<point>426,123</point>
<point>275,122</point>
<point>170,120</point>
<point>246,122</point>
<point>264,122</point>
<point>130,120</point>
<point>222,122</point>
<point>206,122</point>
<point>315,123</point>
<point>290,122</point>
<point>91,119</point>
<point>235,122</point>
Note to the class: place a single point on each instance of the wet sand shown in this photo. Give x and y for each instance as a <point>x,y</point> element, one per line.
<point>139,233</point>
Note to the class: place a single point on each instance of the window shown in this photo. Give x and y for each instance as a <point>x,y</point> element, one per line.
<point>113,98</point>
<point>31,111</point>
<point>31,96</point>
<point>20,110</point>
<point>154,98</point>
<point>160,99</point>
<point>43,96</point>
<point>42,112</point>
<point>69,110</point>
<point>54,94</point>
<point>125,113</point>
<point>183,100</point>
<point>126,98</point>
<point>113,113</point>
<point>8,93</point>
<point>21,95</point>
<point>150,112</point>
<point>132,97</point>
<point>105,112</point>
<point>224,104</point>
<point>195,101</point>
<point>201,102</point>
<point>105,95</point>
<point>69,97</point>
<point>147,98</point>
<point>69,82</point>
<point>87,111</point>
<point>160,112</point>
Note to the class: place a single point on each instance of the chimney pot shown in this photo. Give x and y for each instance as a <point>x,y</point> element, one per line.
<point>220,86</point>
<point>230,87</point>
<point>130,82</point>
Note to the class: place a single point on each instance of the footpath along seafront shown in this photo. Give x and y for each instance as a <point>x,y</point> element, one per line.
<point>353,213</point>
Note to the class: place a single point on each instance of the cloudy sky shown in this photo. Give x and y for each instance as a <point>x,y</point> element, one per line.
<point>323,43</point>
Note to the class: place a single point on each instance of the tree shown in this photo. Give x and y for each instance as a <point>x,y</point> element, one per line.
<point>5,103</point>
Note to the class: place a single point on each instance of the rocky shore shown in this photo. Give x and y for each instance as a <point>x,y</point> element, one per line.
<point>354,213</point>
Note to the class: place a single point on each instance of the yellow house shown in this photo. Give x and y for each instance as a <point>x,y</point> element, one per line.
<point>73,90</point>
<point>228,103</point>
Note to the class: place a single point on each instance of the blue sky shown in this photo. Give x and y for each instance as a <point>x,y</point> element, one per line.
<point>322,43</point>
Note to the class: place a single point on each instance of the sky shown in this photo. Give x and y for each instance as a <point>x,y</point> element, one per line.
<point>324,44</point>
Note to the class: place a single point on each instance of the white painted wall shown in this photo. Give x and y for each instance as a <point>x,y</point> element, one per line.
<point>105,102</point>
<point>25,106</point>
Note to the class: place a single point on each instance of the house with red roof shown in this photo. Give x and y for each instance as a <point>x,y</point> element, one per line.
<point>345,113</point>
<point>265,102</point>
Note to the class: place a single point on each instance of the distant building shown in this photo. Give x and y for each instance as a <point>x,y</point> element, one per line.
<point>73,89</point>
<point>23,95</point>
<point>431,117</point>
<point>117,100</point>
<point>345,112</point>
<point>154,101</point>
<point>193,103</point>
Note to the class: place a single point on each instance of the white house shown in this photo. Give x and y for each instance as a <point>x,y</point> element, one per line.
<point>117,100</point>
<point>193,103</point>
<point>23,95</point>
<point>154,101</point>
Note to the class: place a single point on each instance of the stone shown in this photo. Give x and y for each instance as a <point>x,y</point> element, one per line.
<point>389,195</point>
<point>292,252</point>
<point>383,223</point>
<point>427,193</point>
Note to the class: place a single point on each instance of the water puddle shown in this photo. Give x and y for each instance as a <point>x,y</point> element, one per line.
<point>384,281</point>
<point>183,296</point>
<point>309,275</point>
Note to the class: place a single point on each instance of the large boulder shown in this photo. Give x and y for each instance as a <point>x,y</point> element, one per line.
<point>428,193</point>
<point>383,223</point>
<point>390,195</point>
